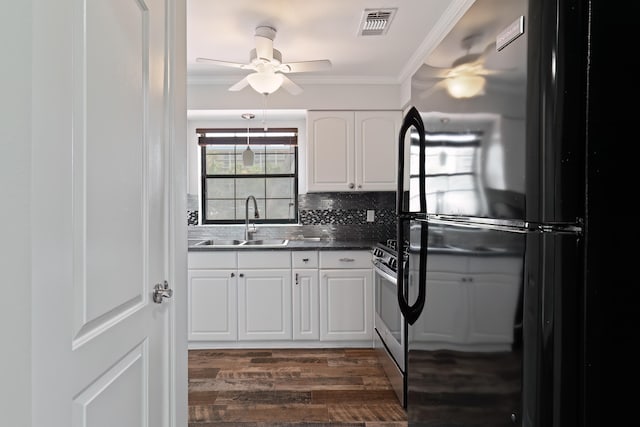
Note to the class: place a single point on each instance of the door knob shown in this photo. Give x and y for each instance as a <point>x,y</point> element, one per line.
<point>161,291</point>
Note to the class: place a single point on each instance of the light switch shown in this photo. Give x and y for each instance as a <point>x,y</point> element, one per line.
<point>371,215</point>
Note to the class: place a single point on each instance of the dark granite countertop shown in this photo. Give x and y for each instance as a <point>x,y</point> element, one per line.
<point>293,245</point>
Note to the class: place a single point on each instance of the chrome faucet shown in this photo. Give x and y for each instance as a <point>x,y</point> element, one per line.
<point>256,214</point>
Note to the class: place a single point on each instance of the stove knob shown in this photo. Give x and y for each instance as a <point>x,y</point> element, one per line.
<point>377,252</point>
<point>393,263</point>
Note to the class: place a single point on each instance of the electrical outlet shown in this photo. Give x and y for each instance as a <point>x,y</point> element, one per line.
<point>371,215</point>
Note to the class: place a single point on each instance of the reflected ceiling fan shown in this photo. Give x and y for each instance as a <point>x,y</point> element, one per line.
<point>268,69</point>
<point>466,76</point>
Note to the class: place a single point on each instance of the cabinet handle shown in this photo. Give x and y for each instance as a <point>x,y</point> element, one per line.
<point>241,274</point>
<point>347,259</point>
<point>233,274</point>
<point>297,283</point>
<point>359,185</point>
<point>305,259</point>
<point>351,185</point>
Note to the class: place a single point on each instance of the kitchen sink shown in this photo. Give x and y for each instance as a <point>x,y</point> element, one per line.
<point>219,243</point>
<point>266,242</point>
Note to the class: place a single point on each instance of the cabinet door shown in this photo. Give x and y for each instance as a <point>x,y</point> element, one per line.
<point>212,305</point>
<point>376,152</point>
<point>494,301</point>
<point>494,293</point>
<point>330,157</point>
<point>306,321</point>
<point>346,305</point>
<point>264,305</point>
<point>445,316</point>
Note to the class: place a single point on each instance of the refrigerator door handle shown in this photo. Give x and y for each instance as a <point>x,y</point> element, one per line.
<point>411,119</point>
<point>412,312</point>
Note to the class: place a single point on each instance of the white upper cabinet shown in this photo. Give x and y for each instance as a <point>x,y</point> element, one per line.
<point>376,148</point>
<point>352,150</point>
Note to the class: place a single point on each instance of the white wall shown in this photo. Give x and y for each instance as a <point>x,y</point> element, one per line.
<point>313,97</point>
<point>15,194</point>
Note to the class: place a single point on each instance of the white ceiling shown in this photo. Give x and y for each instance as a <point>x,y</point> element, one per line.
<point>317,29</point>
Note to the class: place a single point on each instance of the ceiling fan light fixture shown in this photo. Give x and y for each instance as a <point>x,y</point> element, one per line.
<point>465,86</point>
<point>266,82</point>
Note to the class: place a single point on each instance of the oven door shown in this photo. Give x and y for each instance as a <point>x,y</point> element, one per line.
<point>389,322</point>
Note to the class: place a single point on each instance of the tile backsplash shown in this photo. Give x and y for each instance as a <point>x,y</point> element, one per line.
<point>340,216</point>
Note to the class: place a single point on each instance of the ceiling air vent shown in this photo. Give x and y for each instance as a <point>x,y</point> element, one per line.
<point>375,22</point>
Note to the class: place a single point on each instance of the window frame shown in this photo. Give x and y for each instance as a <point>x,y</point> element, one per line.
<point>238,137</point>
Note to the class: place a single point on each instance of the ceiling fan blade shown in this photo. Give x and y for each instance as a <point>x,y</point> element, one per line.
<point>290,86</point>
<point>491,47</point>
<point>240,85</point>
<point>223,63</point>
<point>440,85</point>
<point>427,71</point>
<point>305,66</point>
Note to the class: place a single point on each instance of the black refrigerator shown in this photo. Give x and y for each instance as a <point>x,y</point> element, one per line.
<point>491,210</point>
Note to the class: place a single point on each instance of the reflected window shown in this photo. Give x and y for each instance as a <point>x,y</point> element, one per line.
<point>227,178</point>
<point>451,172</point>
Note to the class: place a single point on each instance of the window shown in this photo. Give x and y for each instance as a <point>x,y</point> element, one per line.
<point>272,179</point>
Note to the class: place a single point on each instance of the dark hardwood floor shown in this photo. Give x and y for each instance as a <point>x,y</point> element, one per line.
<point>290,387</point>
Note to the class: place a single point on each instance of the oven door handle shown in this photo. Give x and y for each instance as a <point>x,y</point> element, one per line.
<point>377,266</point>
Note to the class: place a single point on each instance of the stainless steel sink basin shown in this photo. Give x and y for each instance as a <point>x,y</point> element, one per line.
<point>219,243</point>
<point>266,242</point>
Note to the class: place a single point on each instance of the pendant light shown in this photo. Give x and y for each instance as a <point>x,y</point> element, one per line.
<point>247,155</point>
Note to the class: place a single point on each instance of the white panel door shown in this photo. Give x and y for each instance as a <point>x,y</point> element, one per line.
<point>101,345</point>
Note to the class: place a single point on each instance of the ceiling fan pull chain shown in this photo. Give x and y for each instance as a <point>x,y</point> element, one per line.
<point>264,112</point>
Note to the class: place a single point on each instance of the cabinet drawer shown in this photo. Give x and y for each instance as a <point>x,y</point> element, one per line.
<point>304,259</point>
<point>264,259</point>
<point>212,259</point>
<point>345,259</point>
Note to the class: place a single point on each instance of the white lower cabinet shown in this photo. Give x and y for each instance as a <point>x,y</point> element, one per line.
<point>264,295</point>
<point>278,298</point>
<point>212,296</point>
<point>346,296</point>
<point>305,304</point>
<point>264,304</point>
<point>474,306</point>
<point>493,295</point>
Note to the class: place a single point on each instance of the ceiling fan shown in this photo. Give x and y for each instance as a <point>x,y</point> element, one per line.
<point>268,69</point>
<point>466,76</point>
